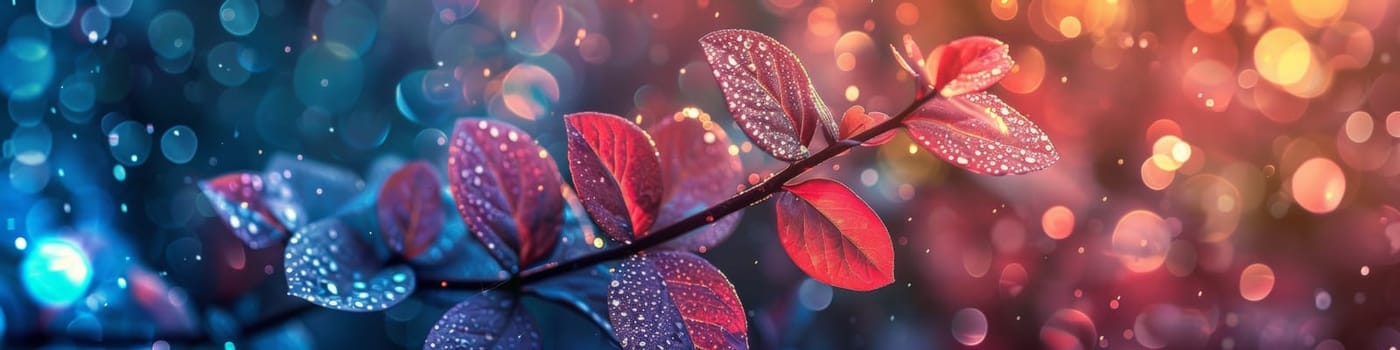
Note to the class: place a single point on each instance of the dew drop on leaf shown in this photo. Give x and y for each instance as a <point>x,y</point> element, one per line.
<point>981,133</point>
<point>776,106</point>
<point>332,264</point>
<point>672,299</point>
<point>489,320</point>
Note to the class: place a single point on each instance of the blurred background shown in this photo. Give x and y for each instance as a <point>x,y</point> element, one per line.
<point>1229,172</point>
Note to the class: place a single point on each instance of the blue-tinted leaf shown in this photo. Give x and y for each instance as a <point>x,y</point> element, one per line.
<point>334,265</point>
<point>319,189</point>
<point>490,320</point>
<point>449,259</point>
<point>241,201</point>
<point>262,209</point>
<point>566,328</point>
<point>506,190</point>
<point>410,211</point>
<point>584,291</point>
<point>672,299</point>
<point>697,172</point>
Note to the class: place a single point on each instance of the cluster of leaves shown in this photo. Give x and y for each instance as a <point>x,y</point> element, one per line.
<point>509,195</point>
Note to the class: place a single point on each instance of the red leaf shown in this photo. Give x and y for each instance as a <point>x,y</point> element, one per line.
<point>967,65</point>
<point>675,300</point>
<point>697,172</point>
<point>856,121</point>
<point>982,134</point>
<point>768,91</point>
<point>507,190</point>
<point>410,209</point>
<point>616,172</point>
<point>833,236</point>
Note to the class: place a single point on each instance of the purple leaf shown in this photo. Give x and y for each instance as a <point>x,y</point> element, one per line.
<point>507,190</point>
<point>672,299</point>
<point>616,172</point>
<point>334,265</point>
<point>767,91</point>
<point>489,320</point>
<point>410,211</point>
<point>584,291</point>
<point>697,172</point>
<point>982,134</point>
<point>239,199</point>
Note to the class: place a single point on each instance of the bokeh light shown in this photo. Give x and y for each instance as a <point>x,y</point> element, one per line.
<point>970,326</point>
<point>1141,239</point>
<point>1319,185</point>
<point>56,272</point>
<point>1256,282</point>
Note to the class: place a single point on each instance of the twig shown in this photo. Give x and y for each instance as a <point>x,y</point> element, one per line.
<point>749,197</point>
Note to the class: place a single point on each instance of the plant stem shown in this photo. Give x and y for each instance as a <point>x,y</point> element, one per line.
<point>749,197</point>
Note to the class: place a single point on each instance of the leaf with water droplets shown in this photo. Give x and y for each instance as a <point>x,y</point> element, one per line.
<point>833,236</point>
<point>981,133</point>
<point>489,320</point>
<point>967,65</point>
<point>319,189</point>
<point>410,212</point>
<point>262,209</point>
<point>238,198</point>
<point>697,172</point>
<point>506,188</point>
<point>334,265</point>
<point>856,121</point>
<point>616,172</point>
<point>673,300</point>
<point>584,291</point>
<point>767,91</point>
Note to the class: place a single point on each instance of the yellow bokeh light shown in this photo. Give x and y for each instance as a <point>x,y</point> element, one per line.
<point>1319,13</point>
<point>1170,152</point>
<point>1070,27</point>
<point>1005,9</point>
<point>1282,56</point>
<point>1028,72</point>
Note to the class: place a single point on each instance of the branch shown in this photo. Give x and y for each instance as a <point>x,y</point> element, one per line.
<point>196,338</point>
<point>749,197</point>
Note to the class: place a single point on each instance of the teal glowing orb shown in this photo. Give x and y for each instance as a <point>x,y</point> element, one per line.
<point>56,272</point>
